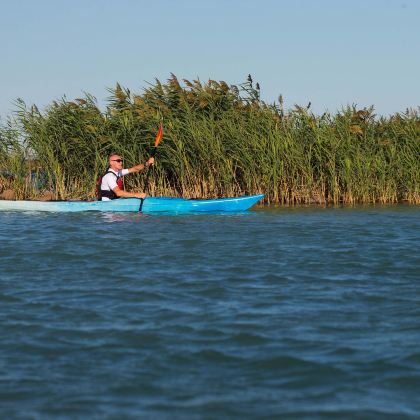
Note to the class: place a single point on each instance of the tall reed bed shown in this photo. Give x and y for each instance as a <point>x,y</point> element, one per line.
<point>219,140</point>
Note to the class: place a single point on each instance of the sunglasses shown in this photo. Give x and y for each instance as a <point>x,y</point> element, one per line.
<point>117,160</point>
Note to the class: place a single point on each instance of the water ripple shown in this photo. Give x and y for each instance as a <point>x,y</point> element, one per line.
<point>296,313</point>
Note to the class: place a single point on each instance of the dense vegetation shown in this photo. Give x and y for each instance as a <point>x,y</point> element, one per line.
<point>219,140</point>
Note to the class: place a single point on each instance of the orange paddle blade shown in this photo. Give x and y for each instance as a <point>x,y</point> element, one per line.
<point>159,135</point>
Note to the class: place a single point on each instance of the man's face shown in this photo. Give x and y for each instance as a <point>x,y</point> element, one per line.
<point>116,162</point>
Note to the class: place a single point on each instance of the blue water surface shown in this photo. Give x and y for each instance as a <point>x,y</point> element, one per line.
<point>281,312</point>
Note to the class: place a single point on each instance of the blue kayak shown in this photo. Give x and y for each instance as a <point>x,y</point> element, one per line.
<point>150,205</point>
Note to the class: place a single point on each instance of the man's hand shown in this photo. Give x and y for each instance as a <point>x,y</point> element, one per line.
<point>151,161</point>
<point>141,195</point>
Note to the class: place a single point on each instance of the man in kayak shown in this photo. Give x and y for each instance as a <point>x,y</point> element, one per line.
<point>110,185</point>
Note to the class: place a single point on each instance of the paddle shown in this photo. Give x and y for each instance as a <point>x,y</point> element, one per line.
<point>158,139</point>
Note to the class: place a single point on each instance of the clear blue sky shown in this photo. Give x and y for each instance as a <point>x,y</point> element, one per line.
<point>329,52</point>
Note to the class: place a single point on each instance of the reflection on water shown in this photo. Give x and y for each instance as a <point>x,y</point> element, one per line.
<point>123,217</point>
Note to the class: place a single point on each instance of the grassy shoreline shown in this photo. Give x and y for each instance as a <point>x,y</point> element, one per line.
<point>219,141</point>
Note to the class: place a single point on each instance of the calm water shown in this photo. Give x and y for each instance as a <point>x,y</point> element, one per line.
<point>277,313</point>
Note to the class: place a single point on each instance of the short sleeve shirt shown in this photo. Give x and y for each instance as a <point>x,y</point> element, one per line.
<point>109,181</point>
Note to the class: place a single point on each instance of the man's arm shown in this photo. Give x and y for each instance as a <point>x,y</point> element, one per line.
<point>141,166</point>
<point>126,194</point>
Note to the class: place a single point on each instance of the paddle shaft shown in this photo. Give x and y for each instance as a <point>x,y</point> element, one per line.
<point>146,183</point>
